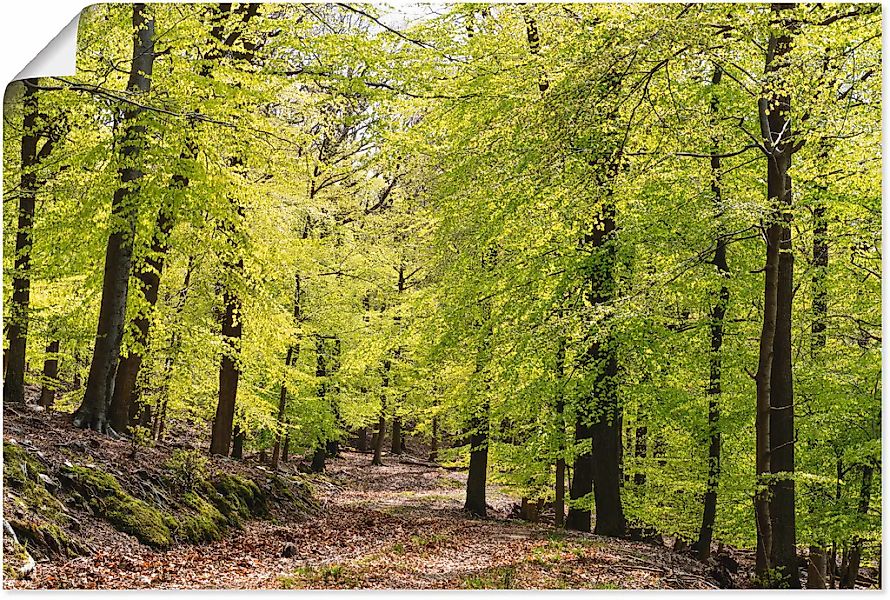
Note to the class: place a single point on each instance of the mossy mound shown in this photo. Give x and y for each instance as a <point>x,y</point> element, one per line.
<point>294,491</point>
<point>240,497</point>
<point>43,516</point>
<point>158,508</point>
<point>202,523</point>
<point>128,514</point>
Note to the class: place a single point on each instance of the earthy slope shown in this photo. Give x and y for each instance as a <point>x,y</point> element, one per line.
<point>396,526</point>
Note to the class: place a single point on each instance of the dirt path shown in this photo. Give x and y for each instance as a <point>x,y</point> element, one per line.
<point>396,526</point>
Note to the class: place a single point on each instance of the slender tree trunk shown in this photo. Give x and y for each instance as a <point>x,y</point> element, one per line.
<point>229,371</point>
<point>332,444</point>
<point>396,442</point>
<point>285,451</point>
<point>124,401</point>
<point>718,314</point>
<point>851,572</point>
<point>362,439</point>
<point>93,412</point>
<point>582,479</point>
<point>606,425</point>
<point>381,424</point>
<point>50,375</point>
<point>781,436</point>
<point>238,442</point>
<point>17,325</point>
<point>816,566</point>
<point>434,441</point>
<point>479,424</point>
<point>641,450</point>
<point>476,478</point>
<point>282,411</point>
<point>318,460</point>
<point>318,457</point>
<point>559,502</point>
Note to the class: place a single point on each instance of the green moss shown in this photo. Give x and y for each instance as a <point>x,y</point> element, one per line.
<point>47,538</point>
<point>494,578</point>
<point>126,513</point>
<point>313,577</point>
<point>243,496</point>
<point>19,467</point>
<point>14,558</point>
<point>293,490</point>
<point>203,523</point>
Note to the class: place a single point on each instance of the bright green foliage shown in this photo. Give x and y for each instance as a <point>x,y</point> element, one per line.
<point>421,149</point>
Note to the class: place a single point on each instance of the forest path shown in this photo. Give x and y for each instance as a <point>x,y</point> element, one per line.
<point>395,526</point>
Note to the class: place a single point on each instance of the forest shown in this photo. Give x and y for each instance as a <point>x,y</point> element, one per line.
<point>610,271</point>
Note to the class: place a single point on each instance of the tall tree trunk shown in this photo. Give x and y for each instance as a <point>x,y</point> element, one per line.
<point>289,360</point>
<point>582,478</point>
<point>606,432</point>
<point>381,424</point>
<point>851,572</point>
<point>282,411</point>
<point>816,568</point>
<point>817,576</point>
<point>318,457</point>
<point>718,314</point>
<point>559,502</point>
<point>332,444</point>
<point>50,374</point>
<point>606,424</point>
<point>17,325</point>
<point>781,427</point>
<point>229,372</point>
<point>476,477</point>
<point>124,401</point>
<point>641,451</point>
<point>93,412</point>
<point>479,423</point>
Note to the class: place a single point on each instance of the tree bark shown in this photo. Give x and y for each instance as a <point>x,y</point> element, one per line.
<point>238,443</point>
<point>17,325</point>
<point>320,452</point>
<point>718,314</point>
<point>229,372</point>
<point>817,576</point>
<point>816,569</point>
<point>479,424</point>
<point>124,401</point>
<point>285,450</point>
<point>781,427</point>
<point>93,411</point>
<point>381,424</point>
<point>282,411</point>
<point>602,356</point>
<point>396,441</point>
<point>434,441</point>
<point>476,477</point>
<point>50,375</point>
<point>582,478</point>
<point>559,502</point>
<point>851,572</point>
<point>361,443</point>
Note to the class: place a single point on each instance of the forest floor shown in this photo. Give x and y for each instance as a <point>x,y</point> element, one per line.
<point>395,526</point>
